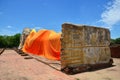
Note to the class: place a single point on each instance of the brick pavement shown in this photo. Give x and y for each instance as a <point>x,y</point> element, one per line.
<point>15,67</point>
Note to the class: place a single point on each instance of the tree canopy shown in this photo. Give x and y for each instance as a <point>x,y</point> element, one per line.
<point>10,41</point>
<point>115,41</point>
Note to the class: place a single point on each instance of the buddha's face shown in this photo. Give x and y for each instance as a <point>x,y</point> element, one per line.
<point>25,33</point>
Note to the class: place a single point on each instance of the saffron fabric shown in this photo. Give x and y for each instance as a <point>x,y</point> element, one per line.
<point>44,43</point>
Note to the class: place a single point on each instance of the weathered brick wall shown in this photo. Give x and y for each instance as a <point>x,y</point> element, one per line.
<point>83,44</point>
<point>115,51</point>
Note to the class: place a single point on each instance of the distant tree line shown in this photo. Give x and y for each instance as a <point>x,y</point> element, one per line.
<point>13,41</point>
<point>115,41</point>
<point>9,41</point>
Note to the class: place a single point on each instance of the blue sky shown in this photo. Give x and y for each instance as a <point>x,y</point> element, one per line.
<point>51,14</point>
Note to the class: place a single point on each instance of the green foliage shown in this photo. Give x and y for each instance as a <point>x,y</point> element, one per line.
<point>112,41</point>
<point>115,41</point>
<point>9,41</point>
<point>2,41</point>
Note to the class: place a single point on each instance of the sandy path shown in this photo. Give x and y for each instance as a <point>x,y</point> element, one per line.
<point>15,67</point>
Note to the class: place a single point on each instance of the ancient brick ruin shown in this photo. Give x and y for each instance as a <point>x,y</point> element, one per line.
<point>84,47</point>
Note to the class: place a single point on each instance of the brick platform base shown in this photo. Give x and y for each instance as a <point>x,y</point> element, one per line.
<point>87,67</point>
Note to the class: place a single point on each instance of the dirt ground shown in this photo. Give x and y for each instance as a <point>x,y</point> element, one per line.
<point>16,67</point>
<point>111,73</point>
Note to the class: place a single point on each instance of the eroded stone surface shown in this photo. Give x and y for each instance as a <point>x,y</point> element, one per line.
<point>25,33</point>
<point>83,44</point>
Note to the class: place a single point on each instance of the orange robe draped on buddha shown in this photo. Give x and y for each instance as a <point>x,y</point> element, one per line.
<point>44,43</point>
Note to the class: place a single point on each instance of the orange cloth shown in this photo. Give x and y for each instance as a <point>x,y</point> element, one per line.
<point>43,43</point>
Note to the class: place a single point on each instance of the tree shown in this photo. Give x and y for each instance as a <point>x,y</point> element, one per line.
<point>117,41</point>
<point>10,41</point>
<point>16,40</point>
<point>112,41</point>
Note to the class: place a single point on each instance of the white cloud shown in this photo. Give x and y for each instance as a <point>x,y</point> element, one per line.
<point>9,27</point>
<point>6,32</point>
<point>9,30</point>
<point>38,27</point>
<point>111,16</point>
